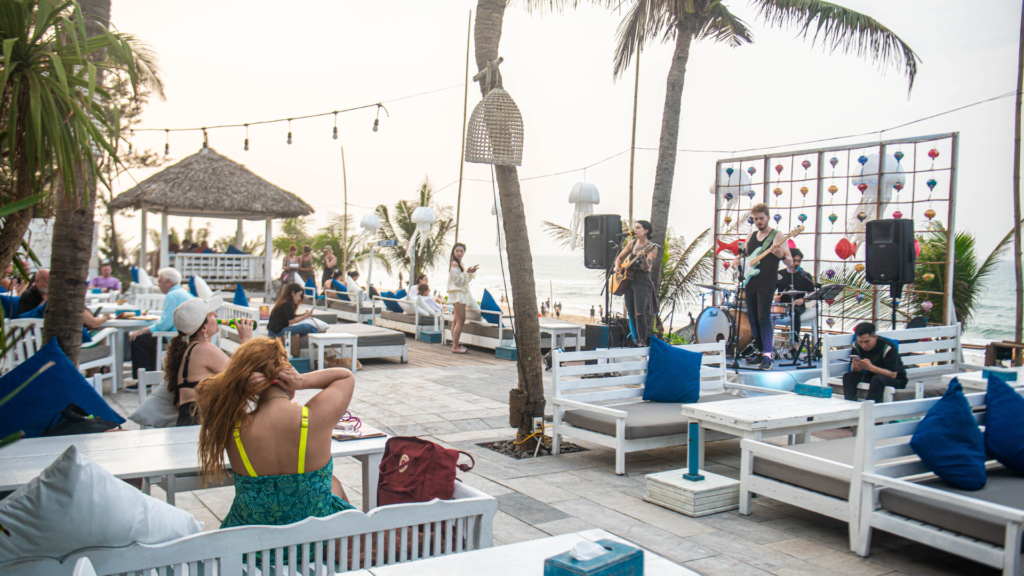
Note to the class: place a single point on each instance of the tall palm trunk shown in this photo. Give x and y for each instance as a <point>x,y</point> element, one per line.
<point>73,234</point>
<point>527,400</point>
<point>15,225</point>
<point>665,171</point>
<point>1018,332</point>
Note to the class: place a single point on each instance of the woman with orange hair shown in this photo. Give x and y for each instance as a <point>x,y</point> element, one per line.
<point>280,453</point>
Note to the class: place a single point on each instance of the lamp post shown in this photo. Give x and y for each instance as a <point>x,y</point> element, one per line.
<point>370,223</point>
<point>424,218</point>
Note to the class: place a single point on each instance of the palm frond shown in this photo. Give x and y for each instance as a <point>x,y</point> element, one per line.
<point>842,29</point>
<point>560,234</point>
<point>725,27</point>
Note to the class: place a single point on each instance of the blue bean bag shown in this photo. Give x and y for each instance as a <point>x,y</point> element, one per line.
<point>240,297</point>
<point>341,289</point>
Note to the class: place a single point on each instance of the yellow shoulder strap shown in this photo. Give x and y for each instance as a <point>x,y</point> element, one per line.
<point>241,450</point>
<point>302,440</point>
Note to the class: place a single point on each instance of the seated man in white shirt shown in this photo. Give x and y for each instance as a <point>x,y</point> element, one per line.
<point>426,301</point>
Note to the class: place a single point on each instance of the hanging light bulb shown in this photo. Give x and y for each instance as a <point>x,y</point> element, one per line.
<point>289,130</point>
<point>206,139</point>
<point>167,144</point>
<point>131,137</point>
<point>246,137</point>
<point>335,126</point>
<point>376,121</point>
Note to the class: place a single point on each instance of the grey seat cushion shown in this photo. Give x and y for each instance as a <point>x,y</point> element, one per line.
<point>339,305</point>
<point>645,419</point>
<point>933,386</point>
<point>406,318</point>
<point>485,330</point>
<point>371,335</point>
<point>94,353</point>
<point>1004,487</point>
<point>840,450</point>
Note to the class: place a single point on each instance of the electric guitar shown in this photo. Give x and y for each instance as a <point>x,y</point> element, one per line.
<point>622,279</point>
<point>754,257</point>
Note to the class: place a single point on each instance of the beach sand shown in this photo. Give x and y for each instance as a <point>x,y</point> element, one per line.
<point>565,317</point>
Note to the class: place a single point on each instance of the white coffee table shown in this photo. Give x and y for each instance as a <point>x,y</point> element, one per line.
<point>973,381</point>
<point>326,340</point>
<point>777,415</point>
<point>557,328</point>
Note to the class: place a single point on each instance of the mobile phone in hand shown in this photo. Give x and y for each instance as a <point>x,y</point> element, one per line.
<point>855,357</point>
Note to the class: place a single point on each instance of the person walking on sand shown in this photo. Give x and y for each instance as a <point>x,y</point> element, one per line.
<point>600,311</point>
<point>459,295</point>
<point>591,313</point>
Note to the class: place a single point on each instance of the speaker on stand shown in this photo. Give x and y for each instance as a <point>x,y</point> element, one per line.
<point>889,256</point>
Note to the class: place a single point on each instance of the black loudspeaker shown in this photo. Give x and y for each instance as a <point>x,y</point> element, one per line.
<point>601,336</point>
<point>600,240</point>
<point>889,252</point>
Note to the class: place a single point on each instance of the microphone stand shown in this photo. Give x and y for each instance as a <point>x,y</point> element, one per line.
<point>740,292</point>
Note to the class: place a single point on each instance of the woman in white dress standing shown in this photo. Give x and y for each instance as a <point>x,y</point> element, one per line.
<point>459,295</point>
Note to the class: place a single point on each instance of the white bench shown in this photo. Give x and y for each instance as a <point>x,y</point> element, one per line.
<point>98,353</point>
<point>582,407</point>
<point>403,321</point>
<point>462,524</point>
<point>359,312</point>
<point>927,354</point>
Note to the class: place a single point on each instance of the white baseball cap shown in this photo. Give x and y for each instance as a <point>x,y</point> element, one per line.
<point>190,315</point>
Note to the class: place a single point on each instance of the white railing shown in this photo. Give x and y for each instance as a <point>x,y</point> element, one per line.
<point>221,267</point>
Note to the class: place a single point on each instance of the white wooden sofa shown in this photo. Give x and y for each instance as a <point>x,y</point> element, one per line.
<point>403,533</point>
<point>875,480</point>
<point>98,353</point>
<point>360,311</point>
<point>606,407</point>
<point>403,321</point>
<point>927,354</point>
<point>478,332</point>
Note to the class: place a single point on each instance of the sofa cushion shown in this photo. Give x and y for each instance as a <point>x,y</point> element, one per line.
<point>406,318</point>
<point>94,353</point>
<point>489,303</point>
<point>485,330</point>
<point>1004,424</point>
<point>644,420</point>
<point>949,442</point>
<point>673,374</point>
<point>371,335</point>
<point>157,410</point>
<point>1004,487</point>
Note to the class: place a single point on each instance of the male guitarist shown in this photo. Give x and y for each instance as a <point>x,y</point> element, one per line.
<point>761,287</point>
<point>640,300</point>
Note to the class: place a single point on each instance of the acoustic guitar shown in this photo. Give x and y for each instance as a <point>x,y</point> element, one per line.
<point>761,252</point>
<point>622,279</point>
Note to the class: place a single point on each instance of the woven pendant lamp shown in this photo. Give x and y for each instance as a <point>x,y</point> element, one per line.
<point>495,132</point>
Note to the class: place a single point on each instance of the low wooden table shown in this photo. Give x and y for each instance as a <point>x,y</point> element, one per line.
<point>160,452</point>
<point>974,382</point>
<point>778,415</point>
<point>524,558</point>
<point>321,341</point>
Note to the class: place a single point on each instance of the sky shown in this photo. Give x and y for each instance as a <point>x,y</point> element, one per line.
<point>230,62</point>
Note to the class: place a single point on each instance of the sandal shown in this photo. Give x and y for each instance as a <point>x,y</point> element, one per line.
<point>461,350</point>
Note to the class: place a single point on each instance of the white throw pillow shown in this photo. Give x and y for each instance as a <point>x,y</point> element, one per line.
<point>144,279</point>
<point>202,288</point>
<point>157,410</point>
<point>473,312</point>
<point>320,325</point>
<point>422,302</point>
<point>76,504</point>
<point>408,304</point>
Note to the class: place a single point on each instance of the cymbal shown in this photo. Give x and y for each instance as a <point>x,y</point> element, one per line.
<point>716,287</point>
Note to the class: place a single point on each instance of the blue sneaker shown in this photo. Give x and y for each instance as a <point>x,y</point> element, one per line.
<point>766,364</point>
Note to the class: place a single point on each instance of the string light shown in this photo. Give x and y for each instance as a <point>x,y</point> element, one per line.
<point>335,125</point>
<point>131,137</point>
<point>289,130</point>
<point>167,144</point>
<point>376,121</point>
<point>206,139</point>
<point>246,137</point>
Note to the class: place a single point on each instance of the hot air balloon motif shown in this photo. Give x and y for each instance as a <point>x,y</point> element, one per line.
<point>806,164</point>
<point>728,196</point>
<point>927,306</point>
<point>830,322</point>
<point>750,220</point>
<point>804,190</point>
<point>777,192</point>
<point>898,186</point>
<point>802,218</point>
<point>777,217</point>
<point>862,216</point>
<point>832,189</point>
<point>933,154</point>
<point>830,273</point>
<point>899,156</point>
<point>729,171</point>
<point>928,277</point>
<point>897,214</point>
<point>932,183</point>
<point>859,297</point>
<point>750,194</point>
<point>862,187</point>
<point>859,268</point>
<point>726,264</point>
<point>830,301</point>
<point>863,160</point>
<point>728,220</point>
<point>751,170</point>
<point>833,162</point>
<point>832,218</point>
<point>929,213</point>
<point>778,169</point>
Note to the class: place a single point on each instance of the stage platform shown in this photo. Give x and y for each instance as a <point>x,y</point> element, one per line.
<point>778,378</point>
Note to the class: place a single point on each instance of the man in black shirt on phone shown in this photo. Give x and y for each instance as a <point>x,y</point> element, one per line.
<point>874,360</point>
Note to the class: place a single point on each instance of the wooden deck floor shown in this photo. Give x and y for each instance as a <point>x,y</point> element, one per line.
<point>426,355</point>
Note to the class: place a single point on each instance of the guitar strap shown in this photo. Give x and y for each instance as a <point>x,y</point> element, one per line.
<point>770,239</point>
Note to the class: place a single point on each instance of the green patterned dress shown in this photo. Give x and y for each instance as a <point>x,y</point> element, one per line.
<point>285,499</point>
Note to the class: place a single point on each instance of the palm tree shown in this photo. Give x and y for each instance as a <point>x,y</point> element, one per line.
<point>684,21</point>
<point>681,277</point>
<point>292,231</point>
<point>350,249</point>
<point>1018,266</point>
<point>432,252</point>
<point>254,246</point>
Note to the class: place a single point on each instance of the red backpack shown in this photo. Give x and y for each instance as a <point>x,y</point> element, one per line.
<point>414,470</point>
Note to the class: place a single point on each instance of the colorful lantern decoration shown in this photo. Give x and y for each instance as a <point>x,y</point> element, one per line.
<point>728,196</point>
<point>777,217</point>
<point>750,220</point>
<point>726,264</point>
<point>830,273</point>
<point>777,192</point>
<point>927,306</point>
<point>778,169</point>
<point>750,194</point>
<point>845,248</point>
<point>830,302</point>
<point>898,155</point>
<point>929,213</point>
<point>830,322</point>
<point>806,164</point>
<point>804,190</point>
<point>728,220</point>
<point>832,190</point>
<point>862,216</point>
<point>832,218</point>
<point>917,248</point>
<point>933,154</point>
<point>863,160</point>
<point>897,214</point>
<point>729,171</point>
<point>898,186</point>
<point>751,170</point>
<point>802,218</point>
<point>833,162</point>
<point>931,184</point>
<point>859,267</point>
<point>928,277</point>
<point>859,297</point>
<point>862,187</point>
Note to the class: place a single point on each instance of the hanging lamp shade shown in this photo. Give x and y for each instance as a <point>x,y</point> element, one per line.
<point>583,197</point>
<point>495,132</point>
<point>370,222</point>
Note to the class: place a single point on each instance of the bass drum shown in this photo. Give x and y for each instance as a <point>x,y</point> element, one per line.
<point>716,324</point>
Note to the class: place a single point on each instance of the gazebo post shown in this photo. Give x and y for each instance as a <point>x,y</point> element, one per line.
<point>165,259</point>
<point>238,235</point>
<point>143,264</point>
<point>269,254</point>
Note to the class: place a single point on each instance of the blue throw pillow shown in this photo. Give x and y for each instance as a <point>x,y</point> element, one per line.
<point>135,274</point>
<point>192,286</point>
<point>10,305</point>
<point>3,290</point>
<point>232,249</point>
<point>489,303</point>
<point>240,298</point>
<point>310,287</point>
<point>32,408</point>
<point>1004,424</point>
<point>949,442</point>
<point>341,289</point>
<point>208,251</point>
<point>673,374</point>
<point>37,312</point>
<point>393,306</point>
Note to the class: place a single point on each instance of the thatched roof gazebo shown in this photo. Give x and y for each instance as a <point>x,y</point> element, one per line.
<point>213,186</point>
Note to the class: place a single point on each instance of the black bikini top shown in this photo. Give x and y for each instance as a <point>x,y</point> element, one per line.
<point>186,383</point>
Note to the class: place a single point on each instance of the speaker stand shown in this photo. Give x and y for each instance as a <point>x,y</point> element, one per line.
<point>895,293</point>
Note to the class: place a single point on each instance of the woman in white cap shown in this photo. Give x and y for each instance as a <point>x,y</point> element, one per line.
<point>191,357</point>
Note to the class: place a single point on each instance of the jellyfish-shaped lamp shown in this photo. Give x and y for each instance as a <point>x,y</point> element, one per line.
<point>423,217</point>
<point>583,197</point>
<point>371,224</point>
<point>496,212</point>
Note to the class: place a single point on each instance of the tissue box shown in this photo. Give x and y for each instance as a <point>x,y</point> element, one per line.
<point>1006,375</point>
<point>811,390</point>
<point>621,560</point>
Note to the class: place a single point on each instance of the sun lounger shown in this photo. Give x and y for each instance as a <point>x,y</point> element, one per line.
<point>403,321</point>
